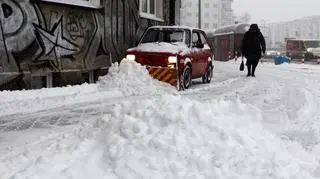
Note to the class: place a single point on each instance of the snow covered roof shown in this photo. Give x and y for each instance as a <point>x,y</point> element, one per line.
<point>236,28</point>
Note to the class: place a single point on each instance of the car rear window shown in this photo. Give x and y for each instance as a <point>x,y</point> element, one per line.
<point>164,35</point>
<point>294,45</point>
<point>312,44</point>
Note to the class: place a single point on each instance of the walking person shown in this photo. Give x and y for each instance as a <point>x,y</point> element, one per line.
<point>253,45</point>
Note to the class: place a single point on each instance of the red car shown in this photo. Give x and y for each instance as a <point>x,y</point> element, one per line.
<point>181,48</point>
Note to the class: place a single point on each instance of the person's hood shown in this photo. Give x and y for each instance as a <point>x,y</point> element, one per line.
<point>254,28</point>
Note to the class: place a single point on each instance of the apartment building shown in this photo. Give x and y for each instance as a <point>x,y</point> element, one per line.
<point>305,28</point>
<point>214,13</point>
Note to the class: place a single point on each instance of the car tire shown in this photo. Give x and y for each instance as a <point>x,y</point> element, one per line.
<point>186,77</point>
<point>206,78</point>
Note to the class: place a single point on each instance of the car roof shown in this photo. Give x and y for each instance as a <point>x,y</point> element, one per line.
<point>176,27</point>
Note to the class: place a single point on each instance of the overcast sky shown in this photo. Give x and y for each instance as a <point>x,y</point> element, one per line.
<point>276,10</point>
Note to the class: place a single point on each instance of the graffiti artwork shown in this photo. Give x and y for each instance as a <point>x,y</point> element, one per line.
<point>40,37</point>
<point>16,21</point>
<point>54,46</point>
<point>50,36</point>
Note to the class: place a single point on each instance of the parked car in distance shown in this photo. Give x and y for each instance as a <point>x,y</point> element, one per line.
<point>307,49</point>
<point>272,53</point>
<point>177,47</point>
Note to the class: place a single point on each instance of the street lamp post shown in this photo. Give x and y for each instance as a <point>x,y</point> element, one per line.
<point>199,15</point>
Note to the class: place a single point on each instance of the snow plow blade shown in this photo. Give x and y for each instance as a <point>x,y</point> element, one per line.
<point>165,74</point>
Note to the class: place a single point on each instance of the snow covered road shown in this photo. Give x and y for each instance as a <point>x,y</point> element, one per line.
<point>121,127</point>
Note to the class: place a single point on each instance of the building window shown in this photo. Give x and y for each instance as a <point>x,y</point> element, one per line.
<point>83,3</point>
<point>144,6</point>
<point>152,9</point>
<point>152,4</point>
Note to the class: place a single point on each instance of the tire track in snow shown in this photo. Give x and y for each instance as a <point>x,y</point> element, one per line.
<point>305,128</point>
<point>298,104</point>
<point>227,86</point>
<point>67,115</point>
<point>277,94</point>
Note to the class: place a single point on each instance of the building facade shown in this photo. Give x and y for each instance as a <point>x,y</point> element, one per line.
<point>51,43</point>
<point>304,28</point>
<point>214,13</point>
<point>226,13</point>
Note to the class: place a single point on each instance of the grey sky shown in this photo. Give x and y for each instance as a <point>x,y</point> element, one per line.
<point>276,10</point>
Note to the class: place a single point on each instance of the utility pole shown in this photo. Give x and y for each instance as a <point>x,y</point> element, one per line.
<point>265,30</point>
<point>199,15</point>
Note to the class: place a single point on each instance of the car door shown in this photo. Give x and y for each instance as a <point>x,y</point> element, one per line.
<point>195,53</point>
<point>205,53</point>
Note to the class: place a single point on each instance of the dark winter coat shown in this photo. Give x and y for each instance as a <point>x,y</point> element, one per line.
<point>253,44</point>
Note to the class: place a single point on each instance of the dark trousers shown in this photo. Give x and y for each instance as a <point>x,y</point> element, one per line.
<point>252,63</point>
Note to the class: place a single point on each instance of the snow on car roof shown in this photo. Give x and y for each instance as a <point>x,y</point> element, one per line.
<point>161,47</point>
<point>176,27</point>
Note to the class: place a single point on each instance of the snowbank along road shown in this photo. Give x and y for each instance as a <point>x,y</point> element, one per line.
<point>131,126</point>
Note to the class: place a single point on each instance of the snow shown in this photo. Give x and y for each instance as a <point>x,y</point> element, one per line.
<point>129,125</point>
<point>127,80</point>
<point>161,47</point>
<point>131,79</point>
<point>77,3</point>
<point>214,139</point>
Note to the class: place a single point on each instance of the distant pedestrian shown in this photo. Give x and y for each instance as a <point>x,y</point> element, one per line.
<point>253,45</point>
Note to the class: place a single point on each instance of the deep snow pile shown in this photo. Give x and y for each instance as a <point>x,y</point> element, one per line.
<point>168,137</point>
<point>159,136</point>
<point>174,137</point>
<point>171,137</point>
<point>131,78</point>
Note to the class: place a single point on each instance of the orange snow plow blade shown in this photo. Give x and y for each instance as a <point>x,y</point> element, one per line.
<point>165,74</point>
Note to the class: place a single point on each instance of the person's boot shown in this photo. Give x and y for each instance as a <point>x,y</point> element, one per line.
<point>249,70</point>
<point>253,70</point>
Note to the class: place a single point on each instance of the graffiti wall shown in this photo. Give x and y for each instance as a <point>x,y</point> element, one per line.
<point>44,37</point>
<point>41,38</point>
